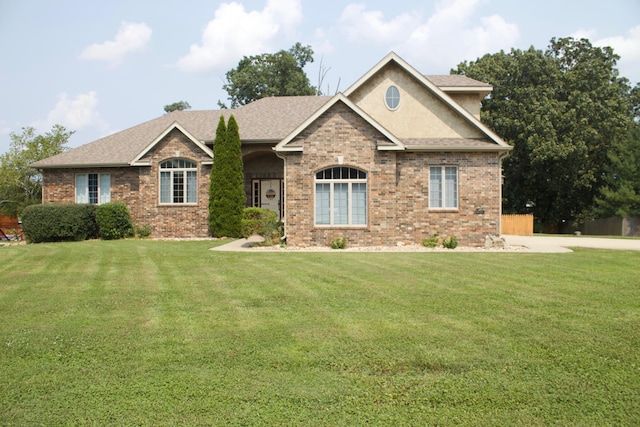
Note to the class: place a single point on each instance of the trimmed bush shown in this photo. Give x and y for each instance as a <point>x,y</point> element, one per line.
<point>263,222</point>
<point>142,232</point>
<point>431,242</point>
<point>59,222</point>
<point>339,243</point>
<point>114,221</point>
<point>450,243</point>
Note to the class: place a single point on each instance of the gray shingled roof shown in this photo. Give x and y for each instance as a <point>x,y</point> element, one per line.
<point>268,119</point>
<point>455,80</point>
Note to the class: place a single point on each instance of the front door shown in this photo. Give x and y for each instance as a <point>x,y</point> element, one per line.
<point>270,195</point>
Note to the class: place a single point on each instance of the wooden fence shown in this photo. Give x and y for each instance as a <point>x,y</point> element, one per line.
<point>9,227</point>
<point>518,225</point>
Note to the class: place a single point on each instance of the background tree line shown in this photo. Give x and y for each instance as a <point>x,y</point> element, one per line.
<point>573,123</point>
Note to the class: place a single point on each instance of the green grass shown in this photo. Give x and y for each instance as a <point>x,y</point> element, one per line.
<point>143,332</point>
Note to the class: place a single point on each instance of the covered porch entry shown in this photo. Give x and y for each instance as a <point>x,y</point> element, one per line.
<point>264,179</point>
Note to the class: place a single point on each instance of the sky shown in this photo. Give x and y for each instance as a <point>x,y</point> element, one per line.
<point>98,67</point>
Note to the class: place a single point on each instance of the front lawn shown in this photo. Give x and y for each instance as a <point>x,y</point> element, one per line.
<point>143,332</point>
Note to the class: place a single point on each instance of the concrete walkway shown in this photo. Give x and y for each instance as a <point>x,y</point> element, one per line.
<point>238,245</point>
<point>542,244</point>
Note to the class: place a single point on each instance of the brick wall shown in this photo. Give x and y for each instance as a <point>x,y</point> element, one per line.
<point>138,187</point>
<point>398,211</point>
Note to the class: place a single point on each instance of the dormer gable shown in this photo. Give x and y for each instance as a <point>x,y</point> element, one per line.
<point>423,110</point>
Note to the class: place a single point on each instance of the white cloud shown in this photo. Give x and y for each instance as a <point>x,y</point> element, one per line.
<point>235,32</point>
<point>75,114</point>
<point>450,35</point>
<point>131,37</point>
<point>362,25</point>
<point>322,43</point>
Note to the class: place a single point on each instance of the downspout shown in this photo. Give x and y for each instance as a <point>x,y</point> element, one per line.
<point>500,158</point>
<point>283,196</point>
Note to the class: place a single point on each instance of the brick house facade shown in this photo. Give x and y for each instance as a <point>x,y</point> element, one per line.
<point>395,158</point>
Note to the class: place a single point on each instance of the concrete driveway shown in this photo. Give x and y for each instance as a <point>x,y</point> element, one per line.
<point>562,243</point>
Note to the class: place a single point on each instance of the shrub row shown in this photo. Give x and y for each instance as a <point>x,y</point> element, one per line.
<point>75,222</point>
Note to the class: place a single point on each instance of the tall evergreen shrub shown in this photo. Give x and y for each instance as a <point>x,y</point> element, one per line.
<point>226,191</point>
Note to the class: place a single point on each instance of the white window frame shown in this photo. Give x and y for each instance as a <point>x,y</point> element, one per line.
<point>447,189</point>
<point>101,193</point>
<point>392,98</point>
<point>190,195</point>
<point>334,212</point>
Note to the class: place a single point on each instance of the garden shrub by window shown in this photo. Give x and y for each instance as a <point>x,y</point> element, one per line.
<point>59,222</point>
<point>114,221</point>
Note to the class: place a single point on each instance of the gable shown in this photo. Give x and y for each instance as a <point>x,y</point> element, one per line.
<point>421,113</point>
<point>190,143</point>
<point>386,141</point>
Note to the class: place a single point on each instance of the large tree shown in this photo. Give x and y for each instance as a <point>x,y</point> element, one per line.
<point>226,190</point>
<point>620,195</point>
<point>561,109</point>
<point>177,106</point>
<point>270,74</point>
<point>20,184</point>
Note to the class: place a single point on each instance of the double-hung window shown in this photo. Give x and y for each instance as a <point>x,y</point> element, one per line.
<point>341,197</point>
<point>178,181</point>
<point>443,187</point>
<point>94,188</point>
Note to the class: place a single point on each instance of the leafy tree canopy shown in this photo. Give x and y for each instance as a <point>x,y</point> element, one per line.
<point>20,184</point>
<point>561,109</point>
<point>270,74</point>
<point>177,106</point>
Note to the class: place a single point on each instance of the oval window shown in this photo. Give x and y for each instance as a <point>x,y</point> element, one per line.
<point>392,97</point>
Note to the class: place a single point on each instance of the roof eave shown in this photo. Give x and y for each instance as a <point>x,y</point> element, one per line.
<point>82,165</point>
<point>481,90</point>
<point>391,148</point>
<point>497,148</point>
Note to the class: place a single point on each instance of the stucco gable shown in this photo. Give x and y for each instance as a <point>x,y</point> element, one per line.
<point>424,111</point>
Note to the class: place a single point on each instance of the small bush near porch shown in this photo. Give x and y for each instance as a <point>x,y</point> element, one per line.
<point>142,332</point>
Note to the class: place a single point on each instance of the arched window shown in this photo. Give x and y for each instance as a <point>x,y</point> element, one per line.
<point>341,197</point>
<point>392,98</point>
<point>178,181</point>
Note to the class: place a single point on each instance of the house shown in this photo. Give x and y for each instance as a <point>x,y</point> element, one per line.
<point>397,157</point>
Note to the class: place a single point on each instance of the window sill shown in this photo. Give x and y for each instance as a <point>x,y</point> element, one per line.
<point>340,227</point>
<point>444,210</point>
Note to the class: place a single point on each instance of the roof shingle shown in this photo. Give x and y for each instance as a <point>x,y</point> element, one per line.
<point>268,119</point>
<point>265,120</point>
